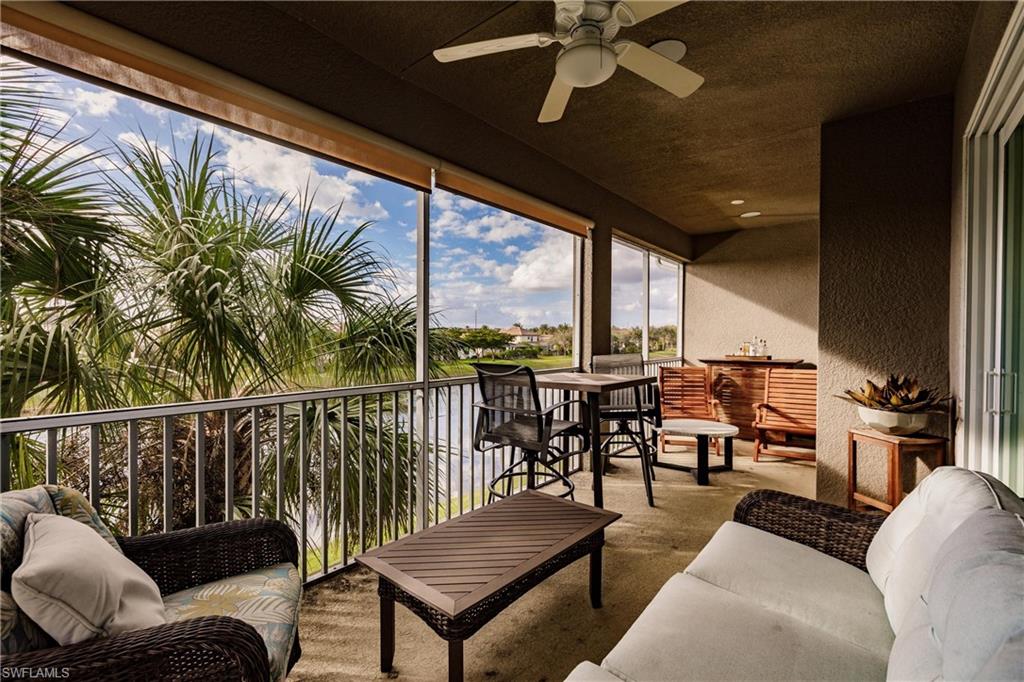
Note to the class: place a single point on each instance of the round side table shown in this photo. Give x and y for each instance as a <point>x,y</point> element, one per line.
<point>703,430</point>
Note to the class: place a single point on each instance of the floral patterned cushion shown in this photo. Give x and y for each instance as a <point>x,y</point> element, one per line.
<point>17,632</point>
<point>267,599</point>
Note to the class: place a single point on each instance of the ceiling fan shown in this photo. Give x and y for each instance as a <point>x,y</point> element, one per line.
<point>585,29</point>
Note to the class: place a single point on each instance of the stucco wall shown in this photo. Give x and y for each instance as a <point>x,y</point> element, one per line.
<point>990,22</point>
<point>761,282</point>
<point>884,267</point>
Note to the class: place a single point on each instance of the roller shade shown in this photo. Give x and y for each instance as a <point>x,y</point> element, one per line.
<point>483,189</point>
<point>79,42</point>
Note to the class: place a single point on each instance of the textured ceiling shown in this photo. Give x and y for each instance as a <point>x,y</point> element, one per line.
<point>775,71</point>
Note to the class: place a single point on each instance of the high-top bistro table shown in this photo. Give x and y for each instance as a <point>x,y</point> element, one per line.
<point>592,387</point>
<point>458,575</point>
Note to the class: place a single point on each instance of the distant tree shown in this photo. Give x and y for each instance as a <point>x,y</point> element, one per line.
<point>627,339</point>
<point>485,339</point>
<point>561,339</point>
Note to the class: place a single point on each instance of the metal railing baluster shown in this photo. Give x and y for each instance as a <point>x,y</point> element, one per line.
<point>410,428</point>
<point>362,473</point>
<point>229,465</point>
<point>343,481</point>
<point>279,465</point>
<point>448,451</point>
<point>325,539</point>
<point>133,477</point>
<point>5,463</point>
<point>379,472</point>
<point>51,456</point>
<point>200,474</point>
<point>436,513</point>
<point>168,472</point>
<point>303,478</point>
<point>462,454</point>
<point>255,491</point>
<point>394,465</point>
<point>94,467</point>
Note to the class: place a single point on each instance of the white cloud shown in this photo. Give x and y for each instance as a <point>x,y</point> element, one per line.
<point>545,267</point>
<point>282,170</point>
<point>95,102</point>
<point>510,249</point>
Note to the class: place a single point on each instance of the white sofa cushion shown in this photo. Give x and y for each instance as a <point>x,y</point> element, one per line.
<point>969,625</point>
<point>76,586</point>
<point>798,581</point>
<point>588,672</point>
<point>694,630</point>
<point>902,553</point>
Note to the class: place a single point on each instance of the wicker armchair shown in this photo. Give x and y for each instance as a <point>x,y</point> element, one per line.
<point>833,530</point>
<point>207,648</point>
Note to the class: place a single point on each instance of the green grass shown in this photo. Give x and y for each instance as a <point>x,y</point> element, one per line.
<point>464,368</point>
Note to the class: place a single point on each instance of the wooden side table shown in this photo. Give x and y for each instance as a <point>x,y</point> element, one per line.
<point>897,447</point>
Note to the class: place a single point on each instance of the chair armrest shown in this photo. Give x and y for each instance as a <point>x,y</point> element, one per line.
<point>760,406</point>
<point>207,648</point>
<point>833,530</point>
<point>193,556</point>
<point>564,403</point>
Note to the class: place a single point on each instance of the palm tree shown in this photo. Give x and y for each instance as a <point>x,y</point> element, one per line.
<point>160,277</point>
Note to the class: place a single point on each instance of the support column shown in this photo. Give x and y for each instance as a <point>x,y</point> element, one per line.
<point>597,294</point>
<point>422,421</point>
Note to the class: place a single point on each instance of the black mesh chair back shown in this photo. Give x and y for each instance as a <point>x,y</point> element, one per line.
<point>625,364</point>
<point>511,409</point>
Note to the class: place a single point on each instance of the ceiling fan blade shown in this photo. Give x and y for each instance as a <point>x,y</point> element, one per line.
<point>633,12</point>
<point>664,73</point>
<point>484,47</point>
<point>555,102</point>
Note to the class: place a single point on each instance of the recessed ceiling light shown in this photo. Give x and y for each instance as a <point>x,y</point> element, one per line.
<point>750,214</point>
<point>736,202</point>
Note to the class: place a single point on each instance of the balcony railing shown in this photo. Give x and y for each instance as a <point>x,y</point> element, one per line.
<point>348,468</point>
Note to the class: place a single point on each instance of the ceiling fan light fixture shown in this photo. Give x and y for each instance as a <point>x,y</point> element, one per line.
<point>750,214</point>
<point>737,202</point>
<point>586,62</point>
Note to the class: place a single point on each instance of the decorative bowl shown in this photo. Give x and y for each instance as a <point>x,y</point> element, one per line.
<point>893,423</point>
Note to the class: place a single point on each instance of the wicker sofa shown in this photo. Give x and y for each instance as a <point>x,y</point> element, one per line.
<point>231,594</point>
<point>795,589</point>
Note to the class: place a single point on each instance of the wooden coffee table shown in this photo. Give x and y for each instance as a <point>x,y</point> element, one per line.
<point>458,575</point>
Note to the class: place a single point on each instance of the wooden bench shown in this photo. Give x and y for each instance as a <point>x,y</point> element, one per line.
<point>686,394</point>
<point>790,407</point>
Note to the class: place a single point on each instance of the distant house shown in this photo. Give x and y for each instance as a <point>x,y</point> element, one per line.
<point>520,336</point>
<point>527,337</point>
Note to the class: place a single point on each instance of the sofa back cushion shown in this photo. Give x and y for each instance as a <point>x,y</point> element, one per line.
<point>76,587</point>
<point>18,632</point>
<point>902,553</point>
<point>969,622</point>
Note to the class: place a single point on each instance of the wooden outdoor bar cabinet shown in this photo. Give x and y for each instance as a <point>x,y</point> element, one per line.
<point>737,383</point>
<point>458,575</point>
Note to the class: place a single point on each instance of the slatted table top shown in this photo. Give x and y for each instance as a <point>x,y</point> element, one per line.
<point>455,565</point>
<point>590,382</point>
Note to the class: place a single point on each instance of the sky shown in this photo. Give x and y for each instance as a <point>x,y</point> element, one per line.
<point>488,267</point>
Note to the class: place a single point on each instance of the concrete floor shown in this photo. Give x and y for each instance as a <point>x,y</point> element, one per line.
<point>552,628</point>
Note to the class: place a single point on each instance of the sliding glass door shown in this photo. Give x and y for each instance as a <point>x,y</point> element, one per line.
<point>1010,398</point>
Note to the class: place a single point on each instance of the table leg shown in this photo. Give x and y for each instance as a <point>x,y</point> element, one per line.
<point>455,671</point>
<point>851,470</point>
<point>596,460</point>
<point>702,460</point>
<point>728,453</point>
<point>595,575</point>
<point>387,634</point>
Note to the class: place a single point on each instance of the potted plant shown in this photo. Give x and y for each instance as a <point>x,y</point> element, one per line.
<point>899,407</point>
